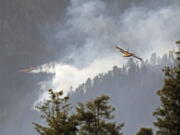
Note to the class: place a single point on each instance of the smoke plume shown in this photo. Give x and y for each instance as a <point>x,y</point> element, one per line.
<point>91,29</point>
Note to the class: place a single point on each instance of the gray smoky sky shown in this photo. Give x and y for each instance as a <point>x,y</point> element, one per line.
<point>95,26</point>
<point>75,32</point>
<point>21,45</point>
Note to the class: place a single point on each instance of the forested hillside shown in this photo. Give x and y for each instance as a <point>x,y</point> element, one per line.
<point>132,89</point>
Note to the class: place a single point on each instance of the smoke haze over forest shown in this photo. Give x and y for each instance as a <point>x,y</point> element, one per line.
<point>71,40</point>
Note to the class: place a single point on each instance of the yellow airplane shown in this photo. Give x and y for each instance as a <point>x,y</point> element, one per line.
<point>127,53</point>
<point>25,70</point>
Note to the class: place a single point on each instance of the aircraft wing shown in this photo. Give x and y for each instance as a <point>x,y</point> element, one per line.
<point>120,49</point>
<point>138,57</point>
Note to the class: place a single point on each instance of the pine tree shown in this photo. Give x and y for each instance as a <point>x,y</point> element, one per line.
<point>95,116</point>
<point>168,114</point>
<point>55,112</point>
<point>145,131</point>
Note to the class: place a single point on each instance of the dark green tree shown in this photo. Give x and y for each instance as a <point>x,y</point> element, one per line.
<point>95,116</point>
<point>145,131</point>
<point>168,114</point>
<point>55,112</point>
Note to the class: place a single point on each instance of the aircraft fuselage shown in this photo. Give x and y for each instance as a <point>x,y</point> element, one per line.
<point>127,55</point>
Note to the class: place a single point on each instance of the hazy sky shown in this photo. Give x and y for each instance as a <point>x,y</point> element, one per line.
<point>92,28</point>
<point>75,36</point>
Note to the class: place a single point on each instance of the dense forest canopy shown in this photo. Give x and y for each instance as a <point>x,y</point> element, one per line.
<point>94,117</point>
<point>132,89</point>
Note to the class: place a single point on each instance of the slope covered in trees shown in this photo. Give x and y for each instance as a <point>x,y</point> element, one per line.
<point>132,89</point>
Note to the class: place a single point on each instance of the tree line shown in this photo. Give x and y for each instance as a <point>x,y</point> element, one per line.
<point>95,117</point>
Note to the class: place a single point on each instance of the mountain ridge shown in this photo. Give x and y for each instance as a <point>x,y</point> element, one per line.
<point>132,89</point>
